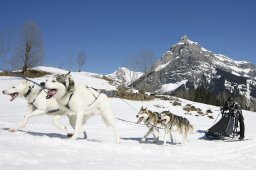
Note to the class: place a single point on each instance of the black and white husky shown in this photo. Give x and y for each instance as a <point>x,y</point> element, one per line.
<point>172,122</point>
<point>81,102</point>
<point>37,103</point>
<point>151,119</point>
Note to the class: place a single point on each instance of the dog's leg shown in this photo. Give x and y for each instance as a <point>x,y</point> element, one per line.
<point>156,134</point>
<point>165,136</point>
<point>171,137</point>
<point>78,126</point>
<point>24,121</point>
<point>109,118</point>
<point>116,133</point>
<point>56,122</point>
<point>111,122</point>
<point>185,137</point>
<point>147,134</point>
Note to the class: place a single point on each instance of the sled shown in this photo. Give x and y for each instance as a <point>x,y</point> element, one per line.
<point>225,128</point>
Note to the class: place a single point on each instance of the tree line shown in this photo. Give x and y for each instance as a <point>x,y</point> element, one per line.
<point>204,95</point>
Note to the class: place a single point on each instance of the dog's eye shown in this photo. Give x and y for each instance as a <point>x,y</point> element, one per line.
<point>54,81</point>
<point>13,87</point>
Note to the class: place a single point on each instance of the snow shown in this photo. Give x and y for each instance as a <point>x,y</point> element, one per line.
<point>53,70</point>
<point>124,76</point>
<point>89,79</point>
<point>41,146</point>
<point>160,67</point>
<point>171,86</point>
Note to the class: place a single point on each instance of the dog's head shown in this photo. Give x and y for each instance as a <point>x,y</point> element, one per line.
<point>18,90</point>
<point>164,117</point>
<point>142,115</point>
<point>58,85</point>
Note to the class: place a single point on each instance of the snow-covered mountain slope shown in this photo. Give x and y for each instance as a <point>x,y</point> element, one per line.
<point>41,146</point>
<point>124,76</point>
<point>90,79</point>
<point>195,66</point>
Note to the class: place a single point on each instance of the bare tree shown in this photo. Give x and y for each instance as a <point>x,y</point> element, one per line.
<point>81,60</point>
<point>70,60</point>
<point>144,60</point>
<point>4,50</point>
<point>131,64</point>
<point>30,50</point>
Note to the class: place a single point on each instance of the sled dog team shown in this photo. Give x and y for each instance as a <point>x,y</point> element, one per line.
<point>60,96</point>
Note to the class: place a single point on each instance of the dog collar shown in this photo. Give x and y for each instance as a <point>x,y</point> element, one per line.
<point>67,105</point>
<point>29,91</point>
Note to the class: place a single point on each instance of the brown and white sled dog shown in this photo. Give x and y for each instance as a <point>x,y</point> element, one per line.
<point>36,102</point>
<point>80,101</point>
<point>151,119</point>
<point>172,122</point>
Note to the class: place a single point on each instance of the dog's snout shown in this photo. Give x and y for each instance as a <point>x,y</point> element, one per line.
<point>42,84</point>
<point>3,91</point>
<point>137,116</point>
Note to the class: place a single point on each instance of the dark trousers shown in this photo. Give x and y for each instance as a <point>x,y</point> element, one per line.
<point>241,124</point>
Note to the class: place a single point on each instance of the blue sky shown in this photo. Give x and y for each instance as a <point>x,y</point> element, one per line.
<point>109,31</point>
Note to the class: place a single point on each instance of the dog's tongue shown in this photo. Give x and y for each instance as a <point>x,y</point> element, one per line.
<point>14,95</point>
<point>140,119</point>
<point>50,93</point>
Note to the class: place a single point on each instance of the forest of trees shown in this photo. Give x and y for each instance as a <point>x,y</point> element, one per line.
<point>203,95</point>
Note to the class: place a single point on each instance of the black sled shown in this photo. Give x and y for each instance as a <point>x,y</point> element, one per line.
<point>225,128</point>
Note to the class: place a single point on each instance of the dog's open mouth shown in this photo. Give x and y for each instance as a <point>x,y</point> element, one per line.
<point>13,96</point>
<point>140,119</point>
<point>50,93</point>
<point>163,121</point>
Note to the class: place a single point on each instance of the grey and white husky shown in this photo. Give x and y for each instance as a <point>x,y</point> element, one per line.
<point>151,119</point>
<point>172,122</point>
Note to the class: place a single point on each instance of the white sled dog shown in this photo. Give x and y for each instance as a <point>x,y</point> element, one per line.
<point>37,103</point>
<point>80,101</point>
<point>151,119</point>
<point>172,122</point>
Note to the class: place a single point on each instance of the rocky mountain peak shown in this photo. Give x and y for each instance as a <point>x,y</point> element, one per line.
<point>189,65</point>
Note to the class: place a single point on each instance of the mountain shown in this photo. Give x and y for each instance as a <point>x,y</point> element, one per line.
<point>190,71</point>
<point>124,76</point>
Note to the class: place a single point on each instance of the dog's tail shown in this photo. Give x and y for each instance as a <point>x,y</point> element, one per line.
<point>192,129</point>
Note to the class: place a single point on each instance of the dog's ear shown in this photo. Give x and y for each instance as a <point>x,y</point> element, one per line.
<point>67,73</point>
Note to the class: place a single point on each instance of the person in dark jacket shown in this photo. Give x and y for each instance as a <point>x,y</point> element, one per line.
<point>234,108</point>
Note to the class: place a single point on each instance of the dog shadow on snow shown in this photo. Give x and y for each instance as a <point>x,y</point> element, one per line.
<point>149,141</point>
<point>50,135</point>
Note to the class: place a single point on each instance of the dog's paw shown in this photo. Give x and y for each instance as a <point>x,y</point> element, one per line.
<point>143,140</point>
<point>85,135</point>
<point>12,130</point>
<point>156,140</point>
<point>69,135</point>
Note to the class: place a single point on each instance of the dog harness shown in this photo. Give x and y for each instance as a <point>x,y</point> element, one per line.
<point>70,96</point>
<point>32,103</point>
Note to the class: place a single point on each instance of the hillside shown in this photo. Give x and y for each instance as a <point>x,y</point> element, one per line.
<point>40,145</point>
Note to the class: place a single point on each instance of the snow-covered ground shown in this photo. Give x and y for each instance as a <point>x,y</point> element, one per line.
<point>41,146</point>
